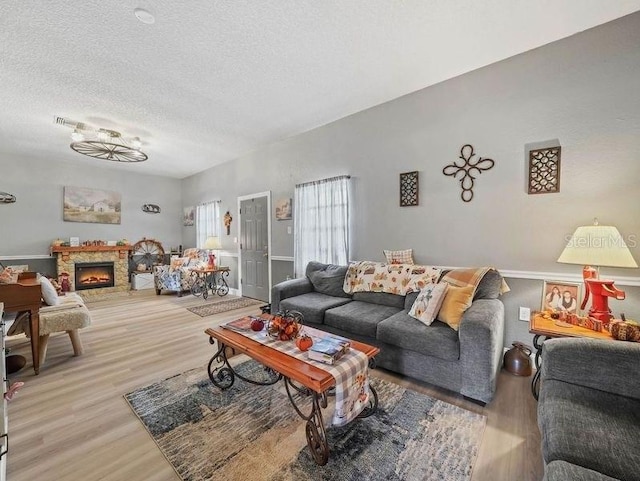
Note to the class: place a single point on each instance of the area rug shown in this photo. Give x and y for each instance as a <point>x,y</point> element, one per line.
<point>252,433</point>
<point>216,307</point>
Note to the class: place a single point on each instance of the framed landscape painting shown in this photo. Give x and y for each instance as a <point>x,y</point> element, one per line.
<point>82,204</point>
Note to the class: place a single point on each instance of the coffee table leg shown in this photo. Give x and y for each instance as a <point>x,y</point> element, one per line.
<point>316,434</point>
<point>221,376</point>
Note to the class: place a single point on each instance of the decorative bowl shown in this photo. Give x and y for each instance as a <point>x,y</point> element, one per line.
<point>285,325</point>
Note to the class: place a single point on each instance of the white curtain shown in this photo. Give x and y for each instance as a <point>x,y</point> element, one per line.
<point>207,222</point>
<point>321,223</point>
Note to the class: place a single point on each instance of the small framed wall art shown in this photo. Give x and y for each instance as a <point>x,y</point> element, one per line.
<point>544,171</point>
<point>409,189</point>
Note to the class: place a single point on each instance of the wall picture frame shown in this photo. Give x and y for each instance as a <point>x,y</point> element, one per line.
<point>189,216</point>
<point>409,189</point>
<point>284,209</point>
<point>543,171</point>
<point>559,296</point>
<point>98,206</point>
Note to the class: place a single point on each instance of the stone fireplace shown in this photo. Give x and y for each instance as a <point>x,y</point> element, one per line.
<point>118,256</point>
<point>94,275</point>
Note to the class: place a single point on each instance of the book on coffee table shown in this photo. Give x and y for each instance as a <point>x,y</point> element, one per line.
<point>329,349</point>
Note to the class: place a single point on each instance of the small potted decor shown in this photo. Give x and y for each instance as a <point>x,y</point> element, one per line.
<point>285,326</point>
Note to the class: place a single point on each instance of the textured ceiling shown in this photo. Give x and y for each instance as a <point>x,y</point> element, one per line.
<point>212,80</point>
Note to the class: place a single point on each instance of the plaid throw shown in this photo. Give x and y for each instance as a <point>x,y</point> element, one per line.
<point>351,372</point>
<point>470,277</point>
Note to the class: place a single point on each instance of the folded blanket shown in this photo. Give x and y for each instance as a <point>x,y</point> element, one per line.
<point>470,277</point>
<point>401,279</point>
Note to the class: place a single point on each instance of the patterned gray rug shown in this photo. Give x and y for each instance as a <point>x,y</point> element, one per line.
<point>217,306</point>
<point>252,433</point>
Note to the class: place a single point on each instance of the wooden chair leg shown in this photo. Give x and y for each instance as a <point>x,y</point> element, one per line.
<point>44,342</point>
<point>74,335</point>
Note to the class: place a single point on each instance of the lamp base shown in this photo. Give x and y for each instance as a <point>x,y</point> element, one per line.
<point>601,290</point>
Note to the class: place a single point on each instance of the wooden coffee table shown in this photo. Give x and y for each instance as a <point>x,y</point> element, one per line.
<point>544,329</point>
<point>298,376</point>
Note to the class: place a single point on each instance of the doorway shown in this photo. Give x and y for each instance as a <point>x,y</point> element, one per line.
<point>254,250</point>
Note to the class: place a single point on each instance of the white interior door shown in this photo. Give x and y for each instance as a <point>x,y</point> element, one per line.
<point>254,248</point>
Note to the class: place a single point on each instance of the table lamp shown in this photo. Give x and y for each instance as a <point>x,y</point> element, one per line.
<point>211,244</point>
<point>596,246</point>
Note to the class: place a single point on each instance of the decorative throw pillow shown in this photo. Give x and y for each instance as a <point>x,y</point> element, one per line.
<point>399,257</point>
<point>49,294</point>
<point>178,262</point>
<point>456,301</point>
<point>427,304</point>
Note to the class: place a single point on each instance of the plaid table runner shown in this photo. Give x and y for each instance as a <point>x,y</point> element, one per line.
<point>351,371</point>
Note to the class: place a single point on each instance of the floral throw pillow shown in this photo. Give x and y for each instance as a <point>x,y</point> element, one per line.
<point>399,257</point>
<point>427,304</point>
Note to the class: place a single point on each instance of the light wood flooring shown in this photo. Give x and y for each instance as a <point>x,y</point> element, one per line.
<point>71,422</point>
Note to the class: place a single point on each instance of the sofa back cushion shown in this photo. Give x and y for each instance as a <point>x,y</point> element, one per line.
<point>490,286</point>
<point>381,298</point>
<point>327,278</point>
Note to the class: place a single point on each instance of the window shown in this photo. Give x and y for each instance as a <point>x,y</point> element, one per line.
<point>207,222</point>
<point>321,223</point>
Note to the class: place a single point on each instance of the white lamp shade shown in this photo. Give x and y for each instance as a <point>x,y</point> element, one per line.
<point>212,243</point>
<point>598,246</point>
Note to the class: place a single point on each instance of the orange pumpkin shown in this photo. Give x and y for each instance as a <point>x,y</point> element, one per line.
<point>304,342</point>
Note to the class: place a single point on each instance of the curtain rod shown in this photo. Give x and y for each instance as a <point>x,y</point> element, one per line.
<point>324,180</point>
<point>210,202</point>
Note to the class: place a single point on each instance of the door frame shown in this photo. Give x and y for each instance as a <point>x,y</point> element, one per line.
<point>266,194</point>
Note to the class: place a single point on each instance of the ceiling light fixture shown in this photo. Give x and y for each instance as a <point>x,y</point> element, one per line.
<point>105,144</point>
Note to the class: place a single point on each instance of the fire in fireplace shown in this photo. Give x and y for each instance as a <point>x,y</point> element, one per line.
<point>94,275</point>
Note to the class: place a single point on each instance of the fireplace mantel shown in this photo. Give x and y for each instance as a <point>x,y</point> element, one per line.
<point>123,251</point>
<point>67,257</point>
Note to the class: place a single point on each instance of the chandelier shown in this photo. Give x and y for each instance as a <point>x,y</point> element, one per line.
<point>105,144</point>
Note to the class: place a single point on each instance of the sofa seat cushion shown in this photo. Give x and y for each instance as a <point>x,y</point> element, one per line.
<point>312,305</point>
<point>437,340</point>
<point>358,317</point>
<point>591,428</point>
<point>563,471</point>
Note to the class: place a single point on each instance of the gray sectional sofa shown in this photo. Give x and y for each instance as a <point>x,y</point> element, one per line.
<point>589,410</point>
<point>466,361</point>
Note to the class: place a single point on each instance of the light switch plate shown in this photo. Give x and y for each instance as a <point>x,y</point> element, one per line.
<point>525,314</point>
<point>288,229</point>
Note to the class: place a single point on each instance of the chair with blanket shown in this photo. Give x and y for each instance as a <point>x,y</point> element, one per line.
<point>177,275</point>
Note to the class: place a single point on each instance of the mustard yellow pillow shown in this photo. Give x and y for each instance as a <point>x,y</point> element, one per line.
<point>456,301</point>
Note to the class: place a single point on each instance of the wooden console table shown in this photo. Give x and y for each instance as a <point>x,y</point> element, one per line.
<point>25,295</point>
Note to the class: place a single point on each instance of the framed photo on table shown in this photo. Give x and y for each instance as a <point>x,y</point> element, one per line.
<point>560,296</point>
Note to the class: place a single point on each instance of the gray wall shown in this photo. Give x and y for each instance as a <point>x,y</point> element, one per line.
<point>581,91</point>
<point>30,225</point>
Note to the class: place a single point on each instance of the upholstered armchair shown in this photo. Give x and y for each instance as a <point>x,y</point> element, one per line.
<point>177,275</point>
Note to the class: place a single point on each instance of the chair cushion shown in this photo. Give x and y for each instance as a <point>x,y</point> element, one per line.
<point>563,471</point>
<point>437,340</point>
<point>591,428</point>
<point>312,305</point>
<point>360,318</point>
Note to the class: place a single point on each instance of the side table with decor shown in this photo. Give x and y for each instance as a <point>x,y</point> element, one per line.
<point>545,327</point>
